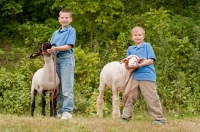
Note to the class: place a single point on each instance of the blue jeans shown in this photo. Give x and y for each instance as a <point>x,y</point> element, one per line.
<point>65,64</point>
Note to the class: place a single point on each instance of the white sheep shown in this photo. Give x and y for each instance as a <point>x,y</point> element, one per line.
<point>45,81</point>
<point>116,76</point>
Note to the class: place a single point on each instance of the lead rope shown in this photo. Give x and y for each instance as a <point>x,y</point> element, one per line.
<point>53,94</point>
<point>126,96</point>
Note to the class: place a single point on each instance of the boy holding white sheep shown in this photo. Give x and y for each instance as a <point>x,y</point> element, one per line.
<point>143,80</point>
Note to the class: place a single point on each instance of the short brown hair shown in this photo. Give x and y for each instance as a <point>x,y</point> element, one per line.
<point>136,29</point>
<point>66,11</point>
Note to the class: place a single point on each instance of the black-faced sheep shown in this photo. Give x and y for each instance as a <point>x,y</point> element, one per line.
<point>45,80</point>
<point>116,76</point>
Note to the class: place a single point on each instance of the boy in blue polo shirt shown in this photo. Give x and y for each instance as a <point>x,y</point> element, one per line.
<point>143,80</point>
<point>64,38</point>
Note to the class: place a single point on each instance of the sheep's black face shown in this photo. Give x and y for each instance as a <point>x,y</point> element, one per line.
<point>45,46</point>
<point>43,49</point>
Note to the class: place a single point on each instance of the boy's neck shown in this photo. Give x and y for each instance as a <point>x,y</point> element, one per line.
<point>63,28</point>
<point>138,44</point>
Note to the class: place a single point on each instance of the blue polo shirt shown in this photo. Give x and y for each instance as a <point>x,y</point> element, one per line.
<point>63,37</point>
<point>145,73</point>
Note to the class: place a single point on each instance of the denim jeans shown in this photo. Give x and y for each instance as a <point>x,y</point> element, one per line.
<point>65,64</point>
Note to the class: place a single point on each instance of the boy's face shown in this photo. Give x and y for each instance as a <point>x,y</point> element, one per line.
<point>65,19</point>
<point>138,37</point>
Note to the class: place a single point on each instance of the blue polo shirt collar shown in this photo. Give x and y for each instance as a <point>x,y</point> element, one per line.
<point>60,29</point>
<point>141,46</point>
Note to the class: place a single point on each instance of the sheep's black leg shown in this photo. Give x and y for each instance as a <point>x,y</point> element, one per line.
<point>43,105</point>
<point>55,104</point>
<point>33,94</point>
<point>53,111</point>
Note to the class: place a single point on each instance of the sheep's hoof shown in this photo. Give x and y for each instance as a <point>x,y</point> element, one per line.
<point>116,115</point>
<point>99,114</point>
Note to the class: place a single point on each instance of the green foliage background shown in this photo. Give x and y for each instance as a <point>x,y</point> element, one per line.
<point>103,35</point>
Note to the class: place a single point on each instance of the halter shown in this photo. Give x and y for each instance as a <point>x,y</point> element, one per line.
<point>43,52</point>
<point>133,56</point>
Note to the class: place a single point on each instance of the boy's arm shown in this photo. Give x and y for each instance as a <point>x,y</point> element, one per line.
<point>145,63</point>
<point>61,48</point>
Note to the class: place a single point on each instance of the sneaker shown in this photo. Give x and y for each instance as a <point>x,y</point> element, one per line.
<point>124,120</point>
<point>158,122</point>
<point>66,115</point>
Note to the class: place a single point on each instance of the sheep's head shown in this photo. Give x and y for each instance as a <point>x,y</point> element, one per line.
<point>131,60</point>
<point>42,50</point>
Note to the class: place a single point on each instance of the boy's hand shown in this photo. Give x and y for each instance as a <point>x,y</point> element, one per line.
<point>51,51</point>
<point>137,65</point>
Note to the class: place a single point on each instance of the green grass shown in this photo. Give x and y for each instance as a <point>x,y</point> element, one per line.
<point>14,123</point>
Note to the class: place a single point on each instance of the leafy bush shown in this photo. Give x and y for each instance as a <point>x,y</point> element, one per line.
<point>35,34</point>
<point>15,83</point>
<point>86,77</point>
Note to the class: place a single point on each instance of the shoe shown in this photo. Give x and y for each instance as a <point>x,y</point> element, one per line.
<point>66,115</point>
<point>158,122</point>
<point>124,120</point>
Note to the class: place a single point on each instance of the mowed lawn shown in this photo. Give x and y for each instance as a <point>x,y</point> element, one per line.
<point>14,123</point>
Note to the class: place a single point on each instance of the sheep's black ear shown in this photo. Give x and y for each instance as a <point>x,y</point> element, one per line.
<point>34,55</point>
<point>53,44</point>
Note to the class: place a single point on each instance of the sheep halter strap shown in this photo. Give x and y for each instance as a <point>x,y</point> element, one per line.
<point>134,57</point>
<point>126,95</point>
<point>43,52</point>
<point>54,90</point>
